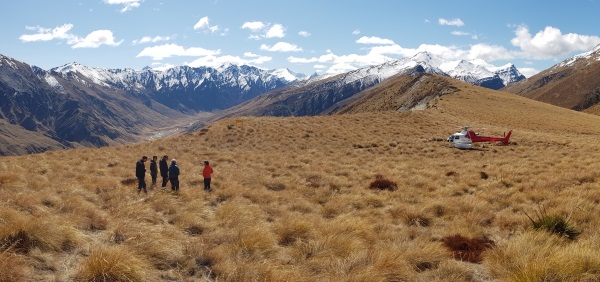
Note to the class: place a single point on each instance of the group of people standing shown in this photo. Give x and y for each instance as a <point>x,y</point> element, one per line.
<point>169,173</point>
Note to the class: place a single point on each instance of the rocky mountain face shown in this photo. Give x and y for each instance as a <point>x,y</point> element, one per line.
<point>571,84</point>
<point>75,105</point>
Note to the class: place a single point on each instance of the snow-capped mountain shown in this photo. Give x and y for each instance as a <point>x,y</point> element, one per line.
<point>572,83</point>
<point>477,72</point>
<point>77,105</point>
<point>323,94</point>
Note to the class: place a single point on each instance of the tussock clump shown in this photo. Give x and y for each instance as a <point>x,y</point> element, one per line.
<point>467,249</point>
<point>13,268</point>
<point>554,224</point>
<point>113,264</point>
<point>384,184</point>
<point>291,230</point>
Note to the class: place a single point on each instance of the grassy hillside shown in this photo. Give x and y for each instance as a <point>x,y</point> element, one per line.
<point>292,201</point>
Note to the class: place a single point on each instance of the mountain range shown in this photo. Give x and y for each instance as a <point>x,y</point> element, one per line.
<point>572,83</point>
<point>75,105</point>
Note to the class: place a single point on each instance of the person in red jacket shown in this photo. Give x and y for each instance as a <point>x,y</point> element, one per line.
<point>206,172</point>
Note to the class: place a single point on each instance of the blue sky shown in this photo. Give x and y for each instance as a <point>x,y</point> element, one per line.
<point>305,36</point>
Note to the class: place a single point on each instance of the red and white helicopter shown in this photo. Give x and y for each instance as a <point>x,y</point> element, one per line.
<point>465,138</point>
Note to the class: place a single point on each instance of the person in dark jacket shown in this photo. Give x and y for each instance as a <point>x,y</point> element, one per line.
<point>153,169</point>
<point>164,170</point>
<point>140,173</point>
<point>174,175</point>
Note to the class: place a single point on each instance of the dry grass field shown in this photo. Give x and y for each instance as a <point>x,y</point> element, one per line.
<point>292,201</point>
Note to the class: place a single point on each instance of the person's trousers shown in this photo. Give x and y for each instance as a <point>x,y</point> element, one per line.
<point>164,182</point>
<point>206,183</point>
<point>153,178</point>
<point>142,184</point>
<point>174,184</point>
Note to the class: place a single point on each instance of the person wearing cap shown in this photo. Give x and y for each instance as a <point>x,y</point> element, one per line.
<point>140,173</point>
<point>206,172</point>
<point>174,175</point>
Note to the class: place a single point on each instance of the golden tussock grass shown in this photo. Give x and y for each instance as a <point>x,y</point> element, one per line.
<point>113,264</point>
<point>292,201</point>
<point>14,267</point>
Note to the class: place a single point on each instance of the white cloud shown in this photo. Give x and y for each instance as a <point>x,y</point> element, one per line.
<point>356,31</point>
<point>214,61</point>
<point>304,33</point>
<point>528,72</point>
<point>253,26</point>
<point>97,38</point>
<point>452,22</point>
<point>93,40</point>
<point>276,30</point>
<point>173,50</point>
<point>490,53</point>
<point>128,5</point>
<point>149,39</point>
<point>459,33</point>
<point>551,43</point>
<point>281,47</point>
<point>251,55</point>
<point>46,34</point>
<point>374,40</point>
<point>201,24</point>
<point>262,30</point>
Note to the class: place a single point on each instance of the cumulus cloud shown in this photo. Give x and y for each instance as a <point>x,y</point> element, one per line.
<point>490,53</point>
<point>276,30</point>
<point>528,72</point>
<point>173,50</point>
<point>128,5</point>
<point>149,39</point>
<point>253,26</point>
<point>356,32</point>
<point>281,47</point>
<point>93,40</point>
<point>203,24</point>
<point>551,42</point>
<point>215,61</point>
<point>374,40</point>
<point>262,30</point>
<point>97,38</point>
<point>452,22</point>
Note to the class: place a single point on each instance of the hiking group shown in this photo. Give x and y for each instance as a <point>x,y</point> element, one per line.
<point>169,173</point>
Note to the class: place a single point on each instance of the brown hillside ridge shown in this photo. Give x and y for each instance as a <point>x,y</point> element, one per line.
<point>572,84</point>
<point>292,200</point>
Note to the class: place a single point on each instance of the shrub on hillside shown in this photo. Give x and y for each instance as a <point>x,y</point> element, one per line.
<point>383,184</point>
<point>467,249</point>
